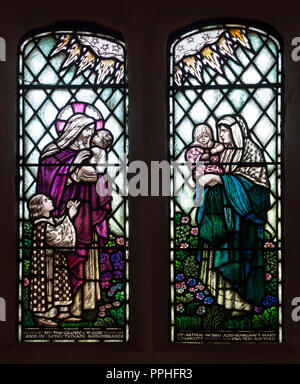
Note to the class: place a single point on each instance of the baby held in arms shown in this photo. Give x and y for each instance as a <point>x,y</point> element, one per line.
<point>204,150</point>
<point>101,141</point>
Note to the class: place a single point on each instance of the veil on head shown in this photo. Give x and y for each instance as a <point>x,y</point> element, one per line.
<point>72,130</point>
<point>69,124</point>
<point>244,151</point>
<point>238,128</point>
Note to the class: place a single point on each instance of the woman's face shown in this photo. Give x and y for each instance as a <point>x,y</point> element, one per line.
<point>225,135</point>
<point>88,131</point>
<point>86,135</point>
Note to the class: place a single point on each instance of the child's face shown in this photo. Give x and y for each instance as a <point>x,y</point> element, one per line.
<point>47,204</point>
<point>101,140</point>
<point>203,139</point>
<point>97,139</point>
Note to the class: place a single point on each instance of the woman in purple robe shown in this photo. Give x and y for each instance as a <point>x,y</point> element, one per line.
<point>58,164</point>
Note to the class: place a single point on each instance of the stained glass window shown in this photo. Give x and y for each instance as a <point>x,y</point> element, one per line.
<point>225,106</point>
<point>73,227</point>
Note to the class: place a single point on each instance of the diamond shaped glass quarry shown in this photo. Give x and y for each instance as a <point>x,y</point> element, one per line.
<point>73,116</point>
<point>225,106</point>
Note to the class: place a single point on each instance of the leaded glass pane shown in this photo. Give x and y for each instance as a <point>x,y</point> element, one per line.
<point>225,210</point>
<point>73,231</point>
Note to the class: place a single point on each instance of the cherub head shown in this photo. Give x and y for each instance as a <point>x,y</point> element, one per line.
<point>40,206</point>
<point>102,138</point>
<point>203,135</point>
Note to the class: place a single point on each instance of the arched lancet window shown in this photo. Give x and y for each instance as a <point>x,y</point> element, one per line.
<point>225,109</point>
<point>73,222</point>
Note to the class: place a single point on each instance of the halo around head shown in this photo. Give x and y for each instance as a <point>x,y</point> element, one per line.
<point>75,108</point>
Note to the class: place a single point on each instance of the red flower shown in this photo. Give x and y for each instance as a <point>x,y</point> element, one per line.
<point>268,276</point>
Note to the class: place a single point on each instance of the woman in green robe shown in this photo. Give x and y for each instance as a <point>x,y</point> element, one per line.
<point>231,220</point>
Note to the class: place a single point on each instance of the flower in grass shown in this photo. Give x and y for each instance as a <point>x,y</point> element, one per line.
<point>268,276</point>
<point>26,281</point>
<point>107,305</point>
<point>116,303</point>
<point>200,295</point>
<point>102,308</point>
<point>180,277</point>
<point>191,282</point>
<point>180,287</point>
<point>180,308</point>
<point>120,240</point>
<point>194,231</point>
<point>104,258</point>
<point>102,314</point>
<point>185,220</point>
<point>192,289</point>
<point>106,276</point>
<point>105,284</point>
<point>112,291</point>
<point>200,310</point>
<point>199,287</point>
<point>184,245</point>
<point>269,244</point>
<point>269,301</point>
<point>118,274</point>
<point>258,309</point>
<point>116,257</point>
<point>208,300</point>
<point>105,264</point>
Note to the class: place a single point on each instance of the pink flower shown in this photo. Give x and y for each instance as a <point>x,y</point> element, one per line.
<point>177,286</point>
<point>200,287</point>
<point>185,219</point>
<point>26,281</point>
<point>120,240</point>
<point>184,245</point>
<point>105,284</point>
<point>180,308</point>
<point>268,276</point>
<point>268,244</point>
<point>194,231</point>
<point>192,289</point>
